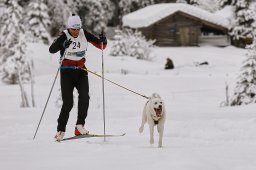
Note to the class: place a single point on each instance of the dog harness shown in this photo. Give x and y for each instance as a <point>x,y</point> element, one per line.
<point>156,122</point>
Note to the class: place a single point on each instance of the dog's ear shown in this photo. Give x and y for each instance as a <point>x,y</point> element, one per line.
<point>155,95</point>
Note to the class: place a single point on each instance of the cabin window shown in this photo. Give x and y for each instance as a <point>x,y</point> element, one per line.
<point>173,30</point>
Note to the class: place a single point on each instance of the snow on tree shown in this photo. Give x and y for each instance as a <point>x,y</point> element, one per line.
<point>181,1</point>
<point>244,21</point>
<point>132,44</point>
<point>191,2</point>
<point>145,3</point>
<point>140,47</point>
<point>14,65</point>
<point>58,13</point>
<point>253,8</point>
<point>209,5</point>
<point>245,91</point>
<point>23,3</point>
<point>242,25</point>
<point>223,3</point>
<point>127,6</point>
<point>118,48</point>
<point>94,14</point>
<point>15,70</point>
<point>11,31</point>
<point>38,22</point>
<point>73,4</point>
<point>164,1</point>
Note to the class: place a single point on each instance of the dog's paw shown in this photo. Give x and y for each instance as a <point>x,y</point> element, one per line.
<point>141,129</point>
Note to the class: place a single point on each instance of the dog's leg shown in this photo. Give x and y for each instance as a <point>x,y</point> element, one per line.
<point>160,129</point>
<point>143,121</point>
<point>151,131</point>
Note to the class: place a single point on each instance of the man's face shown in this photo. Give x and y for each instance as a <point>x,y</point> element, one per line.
<point>74,32</point>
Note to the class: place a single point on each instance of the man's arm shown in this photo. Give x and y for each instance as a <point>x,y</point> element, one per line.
<point>95,40</point>
<point>57,45</point>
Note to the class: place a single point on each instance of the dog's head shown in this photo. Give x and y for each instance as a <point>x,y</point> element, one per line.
<point>157,105</point>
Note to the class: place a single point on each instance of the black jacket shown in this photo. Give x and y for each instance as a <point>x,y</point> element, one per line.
<point>57,45</point>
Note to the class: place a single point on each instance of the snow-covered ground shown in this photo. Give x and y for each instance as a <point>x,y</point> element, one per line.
<point>199,134</point>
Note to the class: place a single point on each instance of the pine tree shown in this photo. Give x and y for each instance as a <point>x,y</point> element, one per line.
<point>127,6</point>
<point>245,91</point>
<point>38,22</point>
<point>181,1</point>
<point>15,66</point>
<point>95,14</point>
<point>119,47</point>
<point>10,28</point>
<point>241,31</point>
<point>227,2</point>
<point>243,23</point>
<point>74,5</point>
<point>58,13</point>
<point>12,40</point>
<point>23,3</point>
<point>191,2</point>
<point>130,43</point>
<point>164,1</point>
<point>139,47</point>
<point>209,5</point>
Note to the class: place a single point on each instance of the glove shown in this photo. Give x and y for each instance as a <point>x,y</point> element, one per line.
<point>103,38</point>
<point>67,43</point>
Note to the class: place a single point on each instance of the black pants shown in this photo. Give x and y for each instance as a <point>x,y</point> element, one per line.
<point>70,79</point>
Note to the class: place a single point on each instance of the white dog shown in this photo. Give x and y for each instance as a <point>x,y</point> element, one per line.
<point>154,115</point>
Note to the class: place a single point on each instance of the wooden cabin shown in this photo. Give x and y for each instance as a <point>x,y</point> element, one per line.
<point>181,27</point>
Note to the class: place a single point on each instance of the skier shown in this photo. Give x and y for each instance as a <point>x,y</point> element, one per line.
<point>72,44</point>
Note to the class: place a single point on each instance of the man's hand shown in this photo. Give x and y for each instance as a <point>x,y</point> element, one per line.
<point>103,38</point>
<point>67,43</point>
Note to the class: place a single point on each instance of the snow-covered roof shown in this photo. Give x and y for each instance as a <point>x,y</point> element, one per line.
<point>153,13</point>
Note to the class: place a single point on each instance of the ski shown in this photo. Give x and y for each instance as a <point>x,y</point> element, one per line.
<point>93,135</point>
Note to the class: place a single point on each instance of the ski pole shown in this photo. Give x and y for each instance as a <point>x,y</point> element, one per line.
<point>49,95</point>
<point>103,91</point>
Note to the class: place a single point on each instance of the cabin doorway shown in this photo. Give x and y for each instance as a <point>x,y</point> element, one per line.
<point>188,36</point>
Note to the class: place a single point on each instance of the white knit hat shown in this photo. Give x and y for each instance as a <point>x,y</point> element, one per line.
<point>74,22</point>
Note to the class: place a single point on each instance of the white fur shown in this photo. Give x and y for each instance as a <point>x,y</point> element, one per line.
<point>149,116</point>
